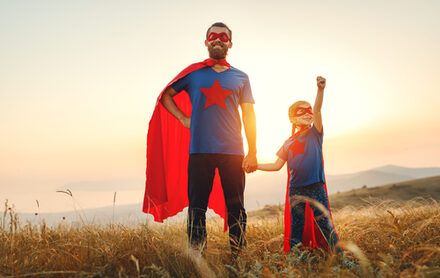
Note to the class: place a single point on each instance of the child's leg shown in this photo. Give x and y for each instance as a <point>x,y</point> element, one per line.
<point>324,222</point>
<point>297,210</point>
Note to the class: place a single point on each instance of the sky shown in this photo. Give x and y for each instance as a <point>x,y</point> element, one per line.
<point>79,81</point>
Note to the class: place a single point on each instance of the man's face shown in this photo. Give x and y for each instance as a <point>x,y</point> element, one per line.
<point>217,48</point>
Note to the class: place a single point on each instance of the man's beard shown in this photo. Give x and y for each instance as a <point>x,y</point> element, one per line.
<point>218,53</point>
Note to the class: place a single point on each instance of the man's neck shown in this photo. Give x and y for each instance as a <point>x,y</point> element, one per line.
<point>219,68</point>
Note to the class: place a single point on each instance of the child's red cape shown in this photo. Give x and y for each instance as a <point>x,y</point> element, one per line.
<point>312,235</point>
<point>166,186</point>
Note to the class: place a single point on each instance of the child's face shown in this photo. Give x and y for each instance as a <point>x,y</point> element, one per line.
<point>303,115</point>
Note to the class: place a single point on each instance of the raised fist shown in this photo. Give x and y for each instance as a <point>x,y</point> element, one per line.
<point>320,81</point>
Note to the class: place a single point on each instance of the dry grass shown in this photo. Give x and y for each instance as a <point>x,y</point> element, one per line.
<point>388,239</point>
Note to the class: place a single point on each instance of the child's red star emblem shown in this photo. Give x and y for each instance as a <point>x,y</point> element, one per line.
<point>216,95</point>
<point>297,147</point>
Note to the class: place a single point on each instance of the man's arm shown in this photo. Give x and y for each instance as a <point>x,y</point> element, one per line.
<point>170,105</point>
<point>250,129</point>
<point>320,82</point>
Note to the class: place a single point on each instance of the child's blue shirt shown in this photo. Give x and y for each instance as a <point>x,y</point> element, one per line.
<point>304,158</point>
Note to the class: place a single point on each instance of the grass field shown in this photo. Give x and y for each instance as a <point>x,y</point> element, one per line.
<point>389,239</point>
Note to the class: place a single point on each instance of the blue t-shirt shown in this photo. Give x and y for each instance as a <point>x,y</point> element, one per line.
<point>215,119</point>
<point>304,158</point>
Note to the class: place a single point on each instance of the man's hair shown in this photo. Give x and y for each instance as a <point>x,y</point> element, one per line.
<point>219,24</point>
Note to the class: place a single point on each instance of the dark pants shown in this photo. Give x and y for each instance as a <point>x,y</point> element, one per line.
<point>201,171</point>
<point>314,191</point>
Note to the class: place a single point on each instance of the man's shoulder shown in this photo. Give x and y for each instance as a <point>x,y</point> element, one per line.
<point>239,75</point>
<point>239,72</point>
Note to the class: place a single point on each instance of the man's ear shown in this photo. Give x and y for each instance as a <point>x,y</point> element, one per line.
<point>206,43</point>
<point>230,45</point>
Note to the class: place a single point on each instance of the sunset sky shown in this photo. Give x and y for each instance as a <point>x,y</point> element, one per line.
<point>79,81</point>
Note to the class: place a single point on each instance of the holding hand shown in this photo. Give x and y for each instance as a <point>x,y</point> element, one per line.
<point>320,81</point>
<point>250,163</point>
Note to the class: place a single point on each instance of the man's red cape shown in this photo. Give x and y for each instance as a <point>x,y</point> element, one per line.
<point>166,186</point>
<point>312,235</point>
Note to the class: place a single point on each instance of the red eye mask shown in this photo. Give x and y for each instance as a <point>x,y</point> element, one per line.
<point>222,36</point>
<point>299,111</point>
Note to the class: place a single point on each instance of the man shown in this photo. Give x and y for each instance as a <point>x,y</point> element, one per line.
<point>215,90</point>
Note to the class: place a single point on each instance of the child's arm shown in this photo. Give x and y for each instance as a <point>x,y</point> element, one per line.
<point>277,165</point>
<point>320,81</point>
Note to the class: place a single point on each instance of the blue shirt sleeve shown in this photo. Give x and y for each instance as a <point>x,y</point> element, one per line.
<point>283,152</point>
<point>246,92</point>
<point>180,85</point>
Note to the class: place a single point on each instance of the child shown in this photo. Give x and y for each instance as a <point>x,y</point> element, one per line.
<point>311,224</point>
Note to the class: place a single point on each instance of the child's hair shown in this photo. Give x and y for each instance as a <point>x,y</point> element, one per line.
<point>292,110</point>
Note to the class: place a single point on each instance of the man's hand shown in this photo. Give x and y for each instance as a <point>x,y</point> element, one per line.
<point>170,105</point>
<point>250,163</point>
<point>320,81</point>
<point>186,121</point>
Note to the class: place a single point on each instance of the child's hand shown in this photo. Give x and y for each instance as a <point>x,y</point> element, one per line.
<point>320,81</point>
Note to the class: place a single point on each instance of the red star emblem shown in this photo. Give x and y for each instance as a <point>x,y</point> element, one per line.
<point>216,95</point>
<point>297,147</point>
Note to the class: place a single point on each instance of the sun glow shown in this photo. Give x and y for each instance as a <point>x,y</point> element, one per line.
<point>348,99</point>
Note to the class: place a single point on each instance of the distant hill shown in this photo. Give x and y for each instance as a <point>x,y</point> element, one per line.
<point>413,172</point>
<point>377,176</point>
<point>402,191</point>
